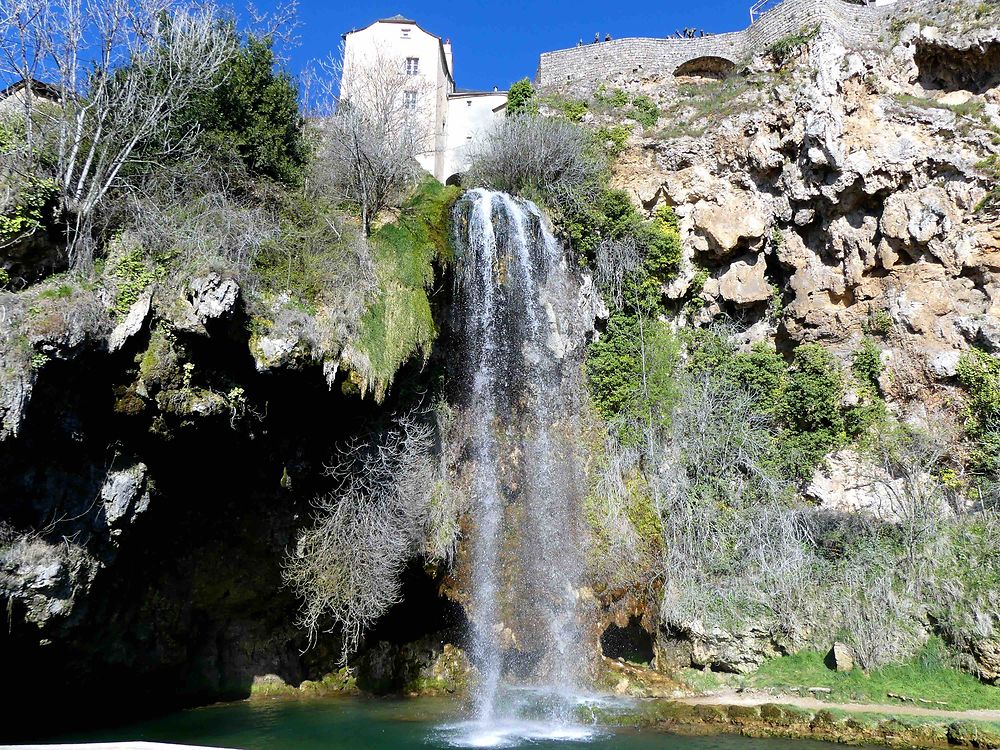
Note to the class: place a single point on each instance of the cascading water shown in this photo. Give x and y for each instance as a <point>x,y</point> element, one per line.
<point>522,317</point>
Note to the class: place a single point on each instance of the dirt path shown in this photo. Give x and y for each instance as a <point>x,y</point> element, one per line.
<point>732,698</point>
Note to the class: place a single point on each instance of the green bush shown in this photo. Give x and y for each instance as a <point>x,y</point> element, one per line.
<point>613,140</point>
<point>521,99</point>
<point>979,374</point>
<point>632,373</point>
<point>573,109</point>
<point>644,111</point>
<point>866,364</point>
<point>32,209</point>
<point>811,407</point>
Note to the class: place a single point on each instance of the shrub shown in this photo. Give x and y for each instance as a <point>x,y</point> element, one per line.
<point>866,364</point>
<point>783,49</point>
<point>631,373</point>
<point>979,374</point>
<point>31,211</point>
<point>644,111</point>
<point>614,140</point>
<point>346,565</point>
<point>521,99</point>
<point>812,403</point>
<point>879,323</point>
<point>538,156</point>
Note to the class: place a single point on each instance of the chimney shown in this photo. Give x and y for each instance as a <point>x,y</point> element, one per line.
<point>446,46</point>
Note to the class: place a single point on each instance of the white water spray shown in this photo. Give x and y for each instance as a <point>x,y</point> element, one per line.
<point>521,323</point>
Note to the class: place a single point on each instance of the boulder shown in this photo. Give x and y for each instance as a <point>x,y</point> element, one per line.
<point>743,283</point>
<point>133,321</point>
<point>213,296</point>
<point>944,364</point>
<point>840,658</point>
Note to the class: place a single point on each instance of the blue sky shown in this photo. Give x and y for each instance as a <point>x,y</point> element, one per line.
<point>496,43</point>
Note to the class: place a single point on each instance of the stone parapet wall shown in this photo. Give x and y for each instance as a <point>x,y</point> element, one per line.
<point>651,58</point>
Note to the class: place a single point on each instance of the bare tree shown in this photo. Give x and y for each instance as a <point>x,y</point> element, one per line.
<point>615,261</point>
<point>122,70</point>
<point>346,567</point>
<point>372,133</point>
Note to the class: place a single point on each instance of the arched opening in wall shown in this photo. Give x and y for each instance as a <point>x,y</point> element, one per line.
<point>455,179</point>
<point>942,68</point>
<point>632,643</point>
<point>708,68</point>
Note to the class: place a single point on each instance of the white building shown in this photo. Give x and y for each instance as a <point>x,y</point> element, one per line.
<point>453,116</point>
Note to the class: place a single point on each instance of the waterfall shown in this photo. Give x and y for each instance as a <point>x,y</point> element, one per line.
<point>522,316</point>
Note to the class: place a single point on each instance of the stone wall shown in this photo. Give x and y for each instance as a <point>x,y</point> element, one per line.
<point>656,59</point>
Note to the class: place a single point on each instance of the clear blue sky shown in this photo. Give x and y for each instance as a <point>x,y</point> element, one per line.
<point>496,43</point>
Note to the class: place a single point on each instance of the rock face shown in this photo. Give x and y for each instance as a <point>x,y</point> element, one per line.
<point>851,188</point>
<point>153,481</point>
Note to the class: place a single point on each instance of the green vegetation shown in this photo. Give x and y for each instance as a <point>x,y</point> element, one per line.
<point>979,374</point>
<point>928,675</point>
<point>879,323</point>
<point>644,111</point>
<point>521,99</point>
<point>399,323</point>
<point>812,407</point>
<point>614,139</point>
<point>252,114</point>
<point>632,371</point>
<point>32,209</point>
<point>698,105</point>
<point>783,49</point>
<point>131,274</point>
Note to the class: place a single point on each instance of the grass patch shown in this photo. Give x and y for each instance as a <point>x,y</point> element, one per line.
<point>698,105</point>
<point>928,675</point>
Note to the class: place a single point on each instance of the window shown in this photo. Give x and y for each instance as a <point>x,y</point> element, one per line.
<point>412,66</point>
<point>404,33</point>
<point>410,99</point>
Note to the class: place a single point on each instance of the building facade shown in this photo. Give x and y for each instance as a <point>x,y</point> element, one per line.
<point>449,118</point>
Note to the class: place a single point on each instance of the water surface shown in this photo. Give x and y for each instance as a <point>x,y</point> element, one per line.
<point>367,724</point>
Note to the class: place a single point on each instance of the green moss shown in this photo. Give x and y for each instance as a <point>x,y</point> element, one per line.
<point>159,364</point>
<point>342,681</point>
<point>399,324</point>
<point>131,273</point>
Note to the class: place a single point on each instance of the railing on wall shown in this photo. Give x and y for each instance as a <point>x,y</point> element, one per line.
<point>758,8</point>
